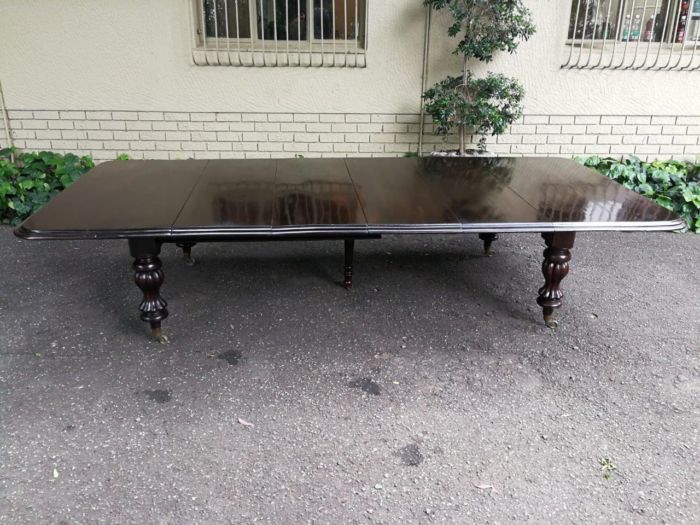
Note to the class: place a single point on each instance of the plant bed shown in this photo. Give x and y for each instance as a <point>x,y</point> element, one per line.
<point>33,179</point>
<point>673,184</point>
<point>471,152</point>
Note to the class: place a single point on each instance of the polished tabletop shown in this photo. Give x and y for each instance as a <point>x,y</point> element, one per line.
<point>341,197</point>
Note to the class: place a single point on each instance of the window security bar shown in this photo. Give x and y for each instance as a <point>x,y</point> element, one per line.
<point>287,33</point>
<point>634,34</point>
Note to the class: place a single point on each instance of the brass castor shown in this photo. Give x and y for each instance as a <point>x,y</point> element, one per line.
<point>157,334</point>
<point>550,321</point>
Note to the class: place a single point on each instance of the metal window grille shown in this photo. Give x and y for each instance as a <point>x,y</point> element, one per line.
<point>294,33</point>
<point>634,34</point>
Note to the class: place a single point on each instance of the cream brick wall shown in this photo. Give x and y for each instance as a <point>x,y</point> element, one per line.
<point>181,135</point>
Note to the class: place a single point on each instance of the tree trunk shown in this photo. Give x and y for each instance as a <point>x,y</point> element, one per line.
<point>462,128</point>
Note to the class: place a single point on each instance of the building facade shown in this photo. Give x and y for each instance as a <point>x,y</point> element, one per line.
<point>222,79</point>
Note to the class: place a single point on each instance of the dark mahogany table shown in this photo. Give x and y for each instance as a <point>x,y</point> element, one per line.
<point>184,202</point>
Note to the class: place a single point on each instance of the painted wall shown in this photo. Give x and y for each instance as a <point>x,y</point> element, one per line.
<point>136,55</point>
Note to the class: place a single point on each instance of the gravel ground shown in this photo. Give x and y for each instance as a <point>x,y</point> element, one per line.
<point>430,393</point>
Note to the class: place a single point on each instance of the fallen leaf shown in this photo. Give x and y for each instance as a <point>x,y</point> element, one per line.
<point>245,423</point>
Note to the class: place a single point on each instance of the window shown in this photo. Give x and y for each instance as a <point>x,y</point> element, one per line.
<point>280,32</point>
<point>634,34</point>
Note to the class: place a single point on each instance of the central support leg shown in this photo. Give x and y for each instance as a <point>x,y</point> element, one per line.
<point>349,250</point>
<point>148,276</point>
<point>488,239</point>
<point>186,248</point>
<point>554,268</point>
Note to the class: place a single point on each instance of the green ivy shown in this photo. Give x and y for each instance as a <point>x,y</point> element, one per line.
<point>33,179</point>
<point>673,184</point>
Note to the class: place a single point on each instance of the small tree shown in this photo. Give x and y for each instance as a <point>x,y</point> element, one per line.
<point>485,105</point>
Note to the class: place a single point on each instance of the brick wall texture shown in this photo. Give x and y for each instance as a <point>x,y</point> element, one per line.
<point>181,135</point>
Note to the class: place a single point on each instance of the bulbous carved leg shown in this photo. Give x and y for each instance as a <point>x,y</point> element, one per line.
<point>148,276</point>
<point>554,268</point>
<point>186,248</point>
<point>488,239</point>
<point>349,251</point>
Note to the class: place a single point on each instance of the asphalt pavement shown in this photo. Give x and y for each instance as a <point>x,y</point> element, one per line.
<point>431,392</point>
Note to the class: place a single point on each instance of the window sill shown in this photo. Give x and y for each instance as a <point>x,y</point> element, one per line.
<point>282,54</point>
<point>621,55</point>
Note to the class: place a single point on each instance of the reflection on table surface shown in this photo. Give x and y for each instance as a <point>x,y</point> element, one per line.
<point>434,193</point>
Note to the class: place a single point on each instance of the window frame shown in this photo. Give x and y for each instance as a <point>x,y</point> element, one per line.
<point>255,44</point>
<point>615,51</point>
<point>623,11</point>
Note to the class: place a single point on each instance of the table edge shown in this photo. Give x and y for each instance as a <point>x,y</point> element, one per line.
<point>349,230</point>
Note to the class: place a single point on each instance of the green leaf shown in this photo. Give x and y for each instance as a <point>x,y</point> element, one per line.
<point>593,161</point>
<point>692,194</point>
<point>6,153</point>
<point>664,201</point>
<point>645,189</point>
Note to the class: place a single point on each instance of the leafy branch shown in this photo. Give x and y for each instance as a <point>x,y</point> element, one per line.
<point>486,105</point>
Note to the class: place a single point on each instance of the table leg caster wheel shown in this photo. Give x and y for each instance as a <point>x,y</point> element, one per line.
<point>551,322</point>
<point>157,334</point>
<point>186,248</point>
<point>488,239</point>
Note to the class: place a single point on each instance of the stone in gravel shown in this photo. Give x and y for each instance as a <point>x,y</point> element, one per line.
<point>411,455</point>
<point>367,385</point>
<point>232,357</point>
<point>159,396</point>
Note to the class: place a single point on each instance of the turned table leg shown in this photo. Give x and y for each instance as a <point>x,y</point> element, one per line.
<point>349,251</point>
<point>554,268</point>
<point>148,276</point>
<point>186,248</point>
<point>488,239</point>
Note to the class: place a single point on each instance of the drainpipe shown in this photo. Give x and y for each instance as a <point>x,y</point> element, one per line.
<point>6,121</point>
<point>424,77</point>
